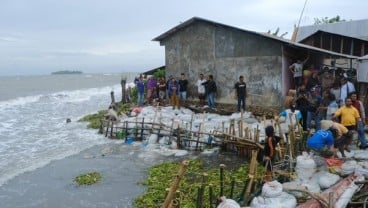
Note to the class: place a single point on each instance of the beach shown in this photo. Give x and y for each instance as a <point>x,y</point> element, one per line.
<point>120,165</point>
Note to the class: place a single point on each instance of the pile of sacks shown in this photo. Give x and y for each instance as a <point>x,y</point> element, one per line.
<point>273,196</point>
<point>309,177</point>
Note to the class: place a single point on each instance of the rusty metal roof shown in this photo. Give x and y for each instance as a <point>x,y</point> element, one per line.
<point>286,42</point>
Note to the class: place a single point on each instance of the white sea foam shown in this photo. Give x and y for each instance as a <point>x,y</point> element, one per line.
<point>33,130</point>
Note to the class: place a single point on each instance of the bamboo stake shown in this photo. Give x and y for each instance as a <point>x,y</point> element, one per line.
<point>175,184</point>
<point>241,123</point>
<point>252,172</point>
<point>222,166</point>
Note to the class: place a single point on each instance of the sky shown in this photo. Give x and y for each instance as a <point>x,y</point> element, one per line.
<point>115,36</point>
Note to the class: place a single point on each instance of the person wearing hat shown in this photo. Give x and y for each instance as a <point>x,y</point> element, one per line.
<point>322,142</point>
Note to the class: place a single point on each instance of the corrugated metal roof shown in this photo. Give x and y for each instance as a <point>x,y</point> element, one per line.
<point>284,41</point>
<point>356,29</point>
<point>339,35</point>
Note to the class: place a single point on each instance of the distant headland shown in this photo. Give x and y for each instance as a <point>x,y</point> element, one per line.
<point>67,72</point>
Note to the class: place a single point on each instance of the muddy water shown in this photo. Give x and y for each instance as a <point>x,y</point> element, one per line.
<point>122,167</point>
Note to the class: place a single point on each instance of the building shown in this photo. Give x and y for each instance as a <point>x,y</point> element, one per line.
<point>355,29</point>
<point>203,46</point>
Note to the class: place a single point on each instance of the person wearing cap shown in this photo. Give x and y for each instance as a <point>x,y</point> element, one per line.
<point>174,92</point>
<point>241,92</point>
<point>322,142</point>
<point>346,87</point>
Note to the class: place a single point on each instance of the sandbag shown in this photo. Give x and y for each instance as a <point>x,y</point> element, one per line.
<point>284,200</point>
<point>228,203</point>
<point>348,167</point>
<point>272,189</point>
<point>326,179</point>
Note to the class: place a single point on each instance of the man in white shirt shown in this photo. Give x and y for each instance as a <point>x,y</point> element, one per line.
<point>345,89</point>
<point>201,89</point>
<point>297,71</point>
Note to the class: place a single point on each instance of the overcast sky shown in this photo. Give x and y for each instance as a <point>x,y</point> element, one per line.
<point>113,36</point>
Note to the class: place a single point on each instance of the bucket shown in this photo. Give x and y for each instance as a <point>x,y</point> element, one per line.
<point>129,140</point>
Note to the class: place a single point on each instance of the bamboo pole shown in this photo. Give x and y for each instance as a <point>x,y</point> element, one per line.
<point>222,166</point>
<point>175,184</point>
<point>252,172</point>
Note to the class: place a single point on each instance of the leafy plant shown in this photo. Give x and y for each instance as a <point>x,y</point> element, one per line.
<point>159,73</point>
<point>88,178</point>
<point>161,176</point>
<point>95,119</point>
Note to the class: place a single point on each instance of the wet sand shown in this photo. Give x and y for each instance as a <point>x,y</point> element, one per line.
<point>52,186</point>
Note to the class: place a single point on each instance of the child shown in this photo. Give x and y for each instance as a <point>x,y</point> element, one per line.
<point>269,150</point>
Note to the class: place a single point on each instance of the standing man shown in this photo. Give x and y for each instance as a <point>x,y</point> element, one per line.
<point>183,86</point>
<point>211,89</point>
<point>361,121</point>
<point>297,70</point>
<point>346,89</point>
<point>140,88</point>
<point>174,92</point>
<point>162,90</point>
<point>241,92</point>
<point>201,89</point>
<point>350,118</point>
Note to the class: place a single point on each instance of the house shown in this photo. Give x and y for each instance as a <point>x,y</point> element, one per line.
<point>203,46</point>
<point>337,43</point>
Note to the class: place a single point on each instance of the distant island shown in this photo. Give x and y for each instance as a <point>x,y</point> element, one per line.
<point>67,72</point>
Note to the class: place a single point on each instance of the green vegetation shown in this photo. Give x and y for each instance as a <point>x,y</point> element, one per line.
<point>161,176</point>
<point>88,178</point>
<point>95,119</point>
<point>159,73</point>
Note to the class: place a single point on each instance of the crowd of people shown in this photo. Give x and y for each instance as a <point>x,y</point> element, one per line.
<point>325,100</point>
<point>174,91</point>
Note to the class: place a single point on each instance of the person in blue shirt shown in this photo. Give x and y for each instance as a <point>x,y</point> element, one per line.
<point>323,142</point>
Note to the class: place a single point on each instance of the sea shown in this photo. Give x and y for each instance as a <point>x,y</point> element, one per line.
<point>33,114</point>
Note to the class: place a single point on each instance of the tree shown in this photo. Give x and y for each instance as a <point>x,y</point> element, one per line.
<point>326,20</point>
